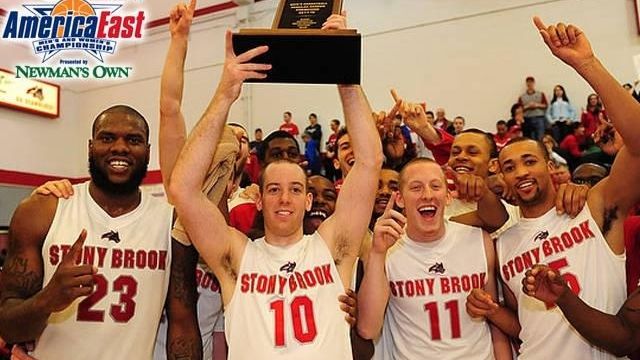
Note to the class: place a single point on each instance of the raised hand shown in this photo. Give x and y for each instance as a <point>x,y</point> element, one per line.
<point>497,185</point>
<point>413,114</point>
<point>544,283</point>
<point>70,281</point>
<point>180,19</point>
<point>567,42</point>
<point>57,188</point>
<point>237,69</point>
<point>480,304</point>
<point>389,227</point>
<point>336,22</point>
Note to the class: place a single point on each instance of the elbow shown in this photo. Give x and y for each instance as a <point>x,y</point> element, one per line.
<point>177,191</point>
<point>168,107</point>
<point>366,333</point>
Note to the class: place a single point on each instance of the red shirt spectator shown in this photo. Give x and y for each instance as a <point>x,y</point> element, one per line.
<point>291,128</point>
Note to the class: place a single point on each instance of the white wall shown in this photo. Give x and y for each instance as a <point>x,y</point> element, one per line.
<point>468,56</point>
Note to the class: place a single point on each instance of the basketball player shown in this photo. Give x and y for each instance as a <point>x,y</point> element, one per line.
<point>98,294</point>
<point>587,250</point>
<point>422,278</point>
<point>280,292</point>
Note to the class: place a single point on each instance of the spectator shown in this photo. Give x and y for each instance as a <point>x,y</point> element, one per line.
<point>535,104</point>
<point>330,147</point>
<point>457,126</point>
<point>590,118</point>
<point>441,121</point>
<point>288,125</point>
<point>314,129</point>
<point>312,154</point>
<point>560,175</point>
<point>257,140</point>
<point>560,113</point>
<point>552,148</point>
<point>572,144</point>
<point>589,174</point>
<point>501,137</point>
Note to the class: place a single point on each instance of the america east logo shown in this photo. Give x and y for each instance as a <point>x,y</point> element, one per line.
<point>72,28</point>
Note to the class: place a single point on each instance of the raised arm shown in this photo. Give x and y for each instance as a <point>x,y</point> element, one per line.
<point>172,125</point>
<point>608,205</point>
<point>204,222</point>
<point>23,300</point>
<point>346,228</point>
<point>618,334</point>
<point>373,295</point>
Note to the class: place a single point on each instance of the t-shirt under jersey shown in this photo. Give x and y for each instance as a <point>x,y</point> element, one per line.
<point>285,304</point>
<point>577,249</point>
<point>133,255</point>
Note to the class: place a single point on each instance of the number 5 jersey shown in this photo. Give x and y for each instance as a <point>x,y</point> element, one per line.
<point>132,253</point>
<point>579,251</point>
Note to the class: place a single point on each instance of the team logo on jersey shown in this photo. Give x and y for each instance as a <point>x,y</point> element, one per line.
<point>73,26</point>
<point>111,236</point>
<point>437,268</point>
<point>288,267</point>
<point>541,235</point>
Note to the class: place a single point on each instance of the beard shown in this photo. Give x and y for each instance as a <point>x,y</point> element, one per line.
<point>101,179</point>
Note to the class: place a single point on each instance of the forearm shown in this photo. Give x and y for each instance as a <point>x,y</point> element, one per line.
<point>622,109</point>
<point>195,157</point>
<point>172,125</point>
<point>362,131</point>
<point>30,314</point>
<point>492,212</point>
<point>373,297</point>
<point>501,344</point>
<point>606,331</point>
<point>428,134</point>
<point>184,341</point>
<point>507,321</point>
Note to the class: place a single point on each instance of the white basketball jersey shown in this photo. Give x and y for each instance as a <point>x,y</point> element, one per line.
<point>133,255</point>
<point>210,318</point>
<point>285,304</point>
<point>577,249</point>
<point>429,283</point>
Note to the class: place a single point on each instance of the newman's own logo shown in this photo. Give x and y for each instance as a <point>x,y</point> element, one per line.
<point>73,26</point>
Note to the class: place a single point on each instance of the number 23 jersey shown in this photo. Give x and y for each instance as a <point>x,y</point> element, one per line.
<point>132,253</point>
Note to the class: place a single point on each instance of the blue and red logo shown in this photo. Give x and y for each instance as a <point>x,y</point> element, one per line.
<point>73,25</point>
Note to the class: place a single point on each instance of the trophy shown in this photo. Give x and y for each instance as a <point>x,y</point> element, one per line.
<point>300,51</point>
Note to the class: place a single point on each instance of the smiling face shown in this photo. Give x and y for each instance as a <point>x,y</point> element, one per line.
<point>118,152</point>
<point>345,155</point>
<point>527,172</point>
<point>470,154</point>
<point>284,199</point>
<point>388,184</point>
<point>324,202</point>
<point>424,196</point>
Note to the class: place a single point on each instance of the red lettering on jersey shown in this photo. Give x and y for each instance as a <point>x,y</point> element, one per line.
<point>308,277</point>
<point>128,259</point>
<point>152,260</point>
<point>282,283</point>
<point>199,274</point>
<point>65,249</point>
<point>455,284</point>
<point>567,240</point>
<point>88,255</point>
<point>292,284</point>
<point>318,272</point>
<point>253,281</point>
<point>409,288</point>
<point>430,282</point>
<point>300,280</point>
<point>555,242</point>
<point>546,248</point>
<point>445,288</point>
<point>141,259</point>
<point>244,283</point>
<point>262,284</point>
<point>505,273</point>
<point>392,287</point>
<point>162,261</point>
<point>420,287</point>
<point>326,270</point>
<point>116,258</point>
<point>536,254</point>
<point>102,254</point>
<point>577,235</point>
<point>271,286</point>
<point>586,231</point>
<point>54,254</point>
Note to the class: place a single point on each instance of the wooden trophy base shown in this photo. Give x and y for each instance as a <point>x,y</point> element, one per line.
<point>305,56</point>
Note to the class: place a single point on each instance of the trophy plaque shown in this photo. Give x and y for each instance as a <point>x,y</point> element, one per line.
<point>299,51</point>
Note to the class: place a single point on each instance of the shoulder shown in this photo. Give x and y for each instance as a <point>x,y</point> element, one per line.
<point>33,217</point>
